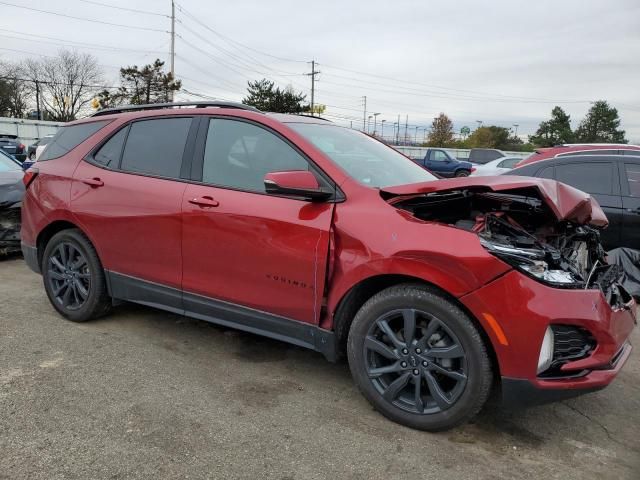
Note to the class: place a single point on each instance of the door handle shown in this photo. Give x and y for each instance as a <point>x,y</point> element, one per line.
<point>205,201</point>
<point>94,182</point>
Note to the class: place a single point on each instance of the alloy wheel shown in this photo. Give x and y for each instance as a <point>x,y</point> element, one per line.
<point>415,361</point>
<point>69,276</point>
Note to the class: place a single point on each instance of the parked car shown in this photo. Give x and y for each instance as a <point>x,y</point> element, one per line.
<point>310,233</point>
<point>480,156</point>
<point>613,180</point>
<point>31,151</point>
<point>11,193</point>
<point>11,145</point>
<point>496,167</point>
<point>444,164</point>
<point>571,149</point>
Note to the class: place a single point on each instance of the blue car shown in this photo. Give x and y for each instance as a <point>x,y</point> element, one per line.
<point>444,164</point>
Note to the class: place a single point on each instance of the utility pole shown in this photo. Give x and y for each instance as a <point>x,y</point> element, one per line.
<point>364,116</point>
<point>173,42</point>
<point>416,140</point>
<point>406,126</point>
<point>313,85</point>
<point>38,99</point>
<point>398,131</point>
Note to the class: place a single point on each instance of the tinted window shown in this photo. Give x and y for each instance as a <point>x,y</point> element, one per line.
<point>546,172</point>
<point>633,177</point>
<point>69,138</point>
<point>109,153</point>
<point>509,162</point>
<point>631,152</point>
<point>438,156</point>
<point>364,159</point>
<point>156,146</point>
<point>239,155</point>
<point>590,177</point>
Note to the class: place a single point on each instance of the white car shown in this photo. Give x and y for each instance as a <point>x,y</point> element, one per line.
<point>496,167</point>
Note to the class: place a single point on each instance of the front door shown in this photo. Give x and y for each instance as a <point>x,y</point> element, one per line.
<point>242,246</point>
<point>631,204</point>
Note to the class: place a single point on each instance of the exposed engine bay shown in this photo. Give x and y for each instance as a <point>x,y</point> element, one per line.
<point>519,227</point>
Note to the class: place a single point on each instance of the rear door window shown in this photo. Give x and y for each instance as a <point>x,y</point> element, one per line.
<point>591,177</point>
<point>632,171</point>
<point>155,147</point>
<point>109,153</point>
<point>69,138</point>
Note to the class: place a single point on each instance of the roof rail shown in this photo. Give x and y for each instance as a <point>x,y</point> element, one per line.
<point>158,106</point>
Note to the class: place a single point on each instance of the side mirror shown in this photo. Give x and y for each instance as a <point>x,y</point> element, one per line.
<point>296,183</point>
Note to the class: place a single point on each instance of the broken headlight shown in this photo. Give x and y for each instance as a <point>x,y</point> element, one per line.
<point>533,262</point>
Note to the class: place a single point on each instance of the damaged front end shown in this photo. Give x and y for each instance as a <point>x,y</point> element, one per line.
<point>9,229</point>
<point>543,230</point>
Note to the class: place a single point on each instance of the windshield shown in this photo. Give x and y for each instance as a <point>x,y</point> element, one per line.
<point>6,163</point>
<point>364,159</point>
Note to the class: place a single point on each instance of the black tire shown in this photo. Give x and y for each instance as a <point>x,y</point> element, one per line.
<point>463,173</point>
<point>453,331</point>
<point>88,298</point>
<point>32,156</point>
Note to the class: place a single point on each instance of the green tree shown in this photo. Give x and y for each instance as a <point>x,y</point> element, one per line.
<point>601,125</point>
<point>554,131</point>
<point>441,134</point>
<point>265,96</point>
<point>149,84</point>
<point>493,136</point>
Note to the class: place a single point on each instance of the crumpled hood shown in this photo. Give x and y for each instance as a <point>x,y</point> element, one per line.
<point>566,202</point>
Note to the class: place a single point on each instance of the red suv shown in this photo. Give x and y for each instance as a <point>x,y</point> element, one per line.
<point>292,227</point>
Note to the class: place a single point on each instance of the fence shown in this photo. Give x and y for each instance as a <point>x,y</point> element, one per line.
<point>28,131</point>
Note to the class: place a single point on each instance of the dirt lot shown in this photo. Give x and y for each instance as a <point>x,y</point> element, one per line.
<point>145,394</point>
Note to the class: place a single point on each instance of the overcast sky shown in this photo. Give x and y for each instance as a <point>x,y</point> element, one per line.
<point>503,62</point>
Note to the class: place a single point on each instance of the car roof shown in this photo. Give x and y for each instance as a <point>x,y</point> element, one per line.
<point>200,108</point>
<point>535,166</point>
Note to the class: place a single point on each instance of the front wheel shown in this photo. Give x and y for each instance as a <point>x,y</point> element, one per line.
<point>418,358</point>
<point>73,277</point>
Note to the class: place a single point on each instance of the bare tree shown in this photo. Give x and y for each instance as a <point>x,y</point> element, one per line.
<point>14,90</point>
<point>67,82</point>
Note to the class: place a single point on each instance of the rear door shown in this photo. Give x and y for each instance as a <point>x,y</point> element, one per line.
<point>601,180</point>
<point>127,196</point>
<point>242,246</point>
<point>630,179</point>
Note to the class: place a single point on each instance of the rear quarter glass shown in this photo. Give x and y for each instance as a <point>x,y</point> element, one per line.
<point>69,138</point>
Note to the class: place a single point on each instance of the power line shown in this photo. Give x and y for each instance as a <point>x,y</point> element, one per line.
<point>84,19</point>
<point>134,10</point>
<point>230,40</point>
<point>70,43</point>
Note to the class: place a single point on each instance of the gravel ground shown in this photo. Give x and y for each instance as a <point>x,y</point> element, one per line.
<point>146,394</point>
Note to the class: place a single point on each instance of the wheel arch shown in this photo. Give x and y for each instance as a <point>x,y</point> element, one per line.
<point>50,230</point>
<point>358,294</point>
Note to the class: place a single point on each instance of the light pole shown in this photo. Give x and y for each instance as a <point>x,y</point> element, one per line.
<point>375,119</point>
<point>416,137</point>
<point>382,128</point>
<point>516,125</point>
<point>396,129</point>
<point>369,124</point>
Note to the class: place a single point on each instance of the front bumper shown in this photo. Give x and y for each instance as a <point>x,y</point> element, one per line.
<point>515,311</point>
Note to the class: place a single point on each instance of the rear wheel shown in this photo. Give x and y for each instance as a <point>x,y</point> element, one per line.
<point>32,156</point>
<point>463,173</point>
<point>74,278</point>
<point>418,358</point>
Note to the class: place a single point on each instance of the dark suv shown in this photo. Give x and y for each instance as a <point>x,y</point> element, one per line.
<point>613,180</point>
<point>310,233</point>
<point>11,145</point>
